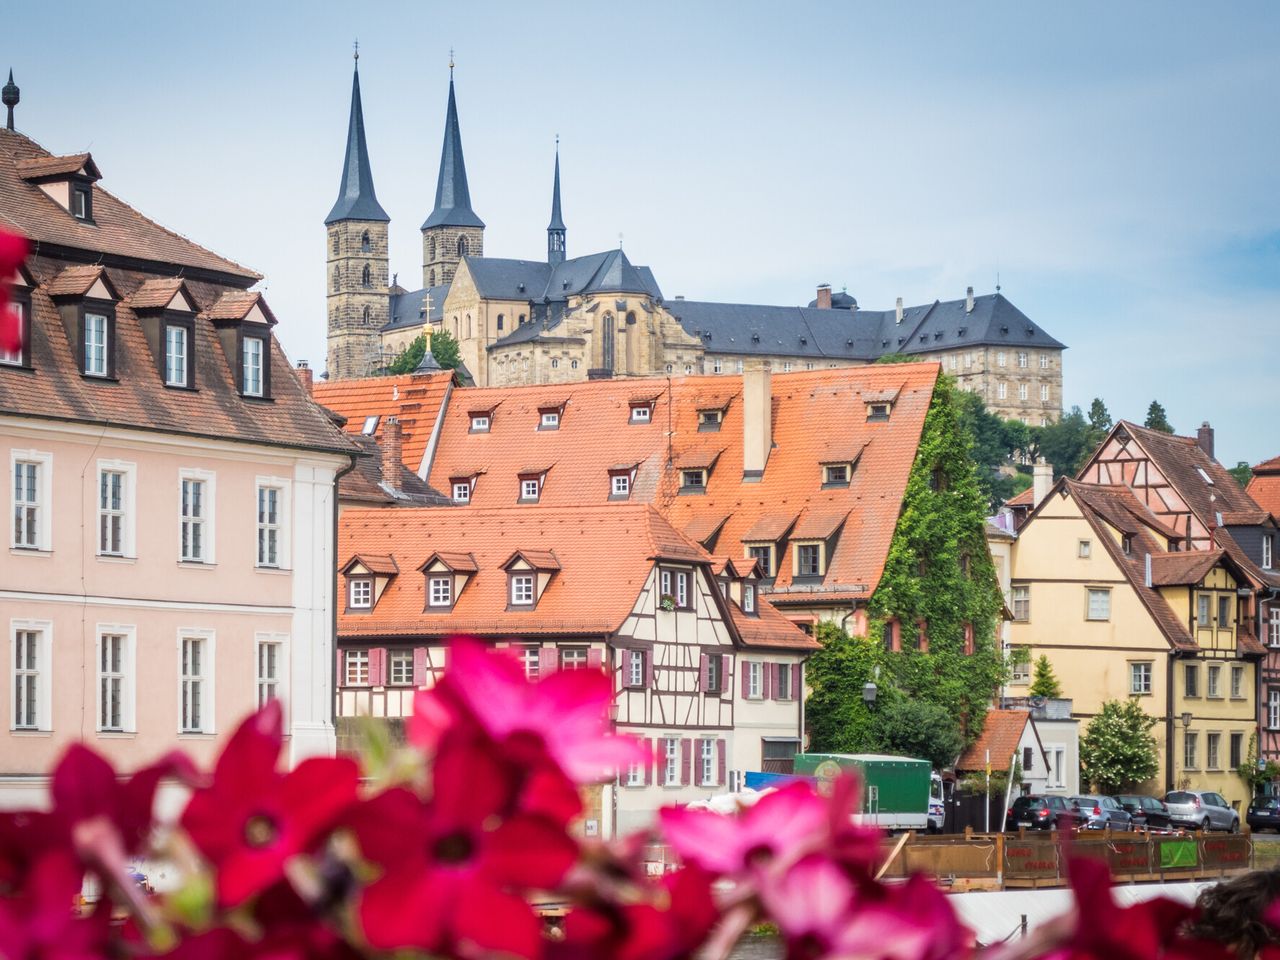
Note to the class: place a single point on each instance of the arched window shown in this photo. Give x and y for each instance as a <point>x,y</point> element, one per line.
<point>555,363</point>
<point>455,328</point>
<point>607,327</point>
<point>366,276</point>
<point>368,317</point>
<point>431,255</point>
<point>462,247</point>
<point>365,245</point>
<point>431,280</point>
<point>573,364</point>
<point>468,326</point>
<point>335,243</point>
<point>499,323</point>
<point>522,319</point>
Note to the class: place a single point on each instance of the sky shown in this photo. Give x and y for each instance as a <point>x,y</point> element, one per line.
<point>1113,165</point>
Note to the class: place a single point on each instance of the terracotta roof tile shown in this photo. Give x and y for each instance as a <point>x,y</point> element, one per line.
<point>74,281</point>
<point>1244,518</point>
<point>156,293</point>
<point>384,564</point>
<point>367,484</point>
<point>454,560</point>
<point>381,397</point>
<point>1024,499</point>
<point>538,559</point>
<point>1179,569</point>
<point>769,527</point>
<point>36,167</point>
<point>1265,489</point>
<point>696,459</point>
<point>701,529</point>
<point>819,524</point>
<point>234,305</point>
<point>770,629</point>
<point>1001,734</point>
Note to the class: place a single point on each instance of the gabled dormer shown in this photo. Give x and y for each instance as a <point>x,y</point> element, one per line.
<point>550,413</point>
<point>764,541</point>
<point>813,542</point>
<point>529,573</point>
<point>244,321</point>
<point>68,181</point>
<point>20,307</point>
<point>880,403</point>
<point>366,577</point>
<point>640,409</point>
<point>446,576</point>
<point>462,486</point>
<point>87,300</point>
<point>167,312</point>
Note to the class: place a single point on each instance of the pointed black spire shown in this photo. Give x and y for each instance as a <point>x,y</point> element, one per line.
<point>453,198</point>
<point>10,97</point>
<point>555,229</point>
<point>356,199</point>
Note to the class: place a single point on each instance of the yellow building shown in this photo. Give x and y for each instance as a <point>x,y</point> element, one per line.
<point>1099,587</point>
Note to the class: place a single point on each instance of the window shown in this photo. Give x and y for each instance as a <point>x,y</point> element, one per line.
<point>737,366</point>
<point>531,660</point>
<point>462,491</point>
<point>786,366</point>
<point>501,322</point>
<point>1021,601</point>
<point>462,247</point>
<point>440,592</point>
<point>13,356</point>
<point>195,511</point>
<point>573,658</point>
<point>365,245</point>
<point>1044,393</point>
<point>671,762</point>
<point>1000,359</point>
<point>480,423</point>
<point>1002,390</point>
<point>635,775</point>
<point>176,349</point>
<point>1214,686</point>
<point>707,760</point>
<point>1202,610</point>
<point>400,667</point>
<point>1224,612</point>
<point>717,365</point>
<point>763,554</point>
<point>1126,544</point>
<point>1237,682</point>
<point>112,680</point>
<point>1019,665</point>
<point>1191,679</point>
<point>1273,708</point>
<point>251,378</point>
<point>836,474</point>
<point>1267,543</point>
<point>1273,637</point>
<point>1022,391</point>
<point>550,420</point>
<point>783,691</point>
<point>1212,742</point>
<point>80,203</point>
<point>748,598</point>
<point>522,590</point>
<point>357,668</point>
<point>620,485</point>
<point>635,668</point>
<point>755,680</point>
<point>555,363</point>
<point>1084,549</point>
<point>675,584</point>
<point>877,412</point>
<point>1139,679</point>
<point>808,559</point>
<point>1044,361</point>
<point>709,420</point>
<point>1028,758</point>
<point>715,680</point>
<point>269,526</point>
<point>1189,742</point>
<point>112,505</point>
<point>360,593</point>
<point>95,344</point>
<point>1022,360</point>
<point>640,413</point>
<point>28,503</point>
<point>268,673</point>
<point>954,361</point>
<point>528,489</point>
<point>30,680</point>
<point>196,670</point>
<point>573,364</point>
<point>1237,751</point>
<point>1099,605</point>
<point>693,480</point>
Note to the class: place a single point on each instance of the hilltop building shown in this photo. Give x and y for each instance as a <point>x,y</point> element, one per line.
<point>567,319</point>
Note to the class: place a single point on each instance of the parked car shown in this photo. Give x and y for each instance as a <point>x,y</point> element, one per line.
<point>1146,811</point>
<point>1040,813</point>
<point>1100,812</point>
<point>1264,814</point>
<point>1201,810</point>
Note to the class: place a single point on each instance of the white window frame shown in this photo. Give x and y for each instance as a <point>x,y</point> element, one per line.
<point>1000,358</point>
<point>252,361</point>
<point>550,420</point>
<point>1044,393</point>
<point>1020,597</point>
<point>784,685</point>
<point>43,505</point>
<point>43,632</point>
<point>205,678</point>
<point>96,354</point>
<point>128,512</point>
<point>620,485</point>
<point>573,658</point>
<point>283,526</point>
<point>1213,681</point>
<point>360,593</point>
<point>671,762</point>
<point>707,757</point>
<point>1213,750</point>
<point>480,424</point>
<point>1268,550</point>
<point>738,366</point>
<point>1002,390</point>
<point>1044,361</point>
<point>1140,673</point>
<point>1204,610</point>
<point>635,775</point>
<point>641,413</point>
<point>1190,749</point>
<point>13,358</point>
<point>1089,613</point>
<point>748,598</point>
<point>1084,549</point>
<point>717,365</point>
<point>125,676</point>
<point>175,373</point>
<point>1274,639</point>
<point>270,684</point>
<point>635,668</point>
<point>531,660</point>
<point>1022,360</point>
<point>1273,708</point>
<point>357,661</point>
<point>681,584</point>
<point>462,492</point>
<point>755,680</point>
<point>207,519</point>
<point>1237,682</point>
<point>519,596</point>
<point>1022,391</point>
<point>398,659</point>
<point>529,489</point>
<point>786,366</point>
<point>693,479</point>
<point>440,590</point>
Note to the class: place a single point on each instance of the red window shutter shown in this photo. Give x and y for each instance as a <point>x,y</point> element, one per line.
<point>340,668</point>
<point>720,763</point>
<point>797,681</point>
<point>595,658</point>
<point>548,660</point>
<point>419,666</point>
<point>726,663</point>
<point>648,762</point>
<point>378,667</point>
<point>766,681</point>
<point>704,673</point>
<point>686,760</point>
<point>968,638</point>
<point>648,666</point>
<point>746,679</point>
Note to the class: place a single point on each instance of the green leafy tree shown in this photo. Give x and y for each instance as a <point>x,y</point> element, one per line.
<point>917,728</point>
<point>1253,774</point>
<point>994,441</point>
<point>443,347</point>
<point>1099,418</point>
<point>1117,751</point>
<point>1068,442</point>
<point>1242,472</point>
<point>1157,419</point>
<point>899,358</point>
<point>1043,681</point>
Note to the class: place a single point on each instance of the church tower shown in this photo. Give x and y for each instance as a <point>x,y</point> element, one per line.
<point>358,260</point>
<point>453,230</point>
<point>555,229</point>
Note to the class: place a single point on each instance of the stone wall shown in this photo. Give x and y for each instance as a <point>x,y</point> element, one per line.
<point>356,311</point>
<point>440,251</point>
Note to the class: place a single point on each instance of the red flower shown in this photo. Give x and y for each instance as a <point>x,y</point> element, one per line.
<point>13,250</point>
<point>41,923</point>
<point>455,868</point>
<point>252,819</point>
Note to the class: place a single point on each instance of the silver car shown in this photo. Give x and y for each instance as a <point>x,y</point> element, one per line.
<point>1099,813</point>
<point>1201,810</point>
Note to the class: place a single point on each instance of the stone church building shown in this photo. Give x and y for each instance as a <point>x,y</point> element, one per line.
<point>600,315</point>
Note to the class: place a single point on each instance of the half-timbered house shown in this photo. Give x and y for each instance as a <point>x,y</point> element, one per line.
<point>706,672</point>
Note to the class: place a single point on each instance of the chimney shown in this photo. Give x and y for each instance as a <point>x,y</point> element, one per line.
<point>1041,481</point>
<point>392,448</point>
<point>897,313</point>
<point>306,377</point>
<point>1204,439</point>
<point>757,421</point>
<point>968,299</point>
<point>824,296</point>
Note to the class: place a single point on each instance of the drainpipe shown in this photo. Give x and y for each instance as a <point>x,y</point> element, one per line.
<point>1168,709</point>
<point>333,616</point>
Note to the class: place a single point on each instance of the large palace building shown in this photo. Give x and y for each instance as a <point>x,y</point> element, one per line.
<point>599,315</point>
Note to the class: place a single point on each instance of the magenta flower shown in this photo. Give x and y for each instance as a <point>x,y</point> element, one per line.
<point>252,819</point>
<point>41,923</point>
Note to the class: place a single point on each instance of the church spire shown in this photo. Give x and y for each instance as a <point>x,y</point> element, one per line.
<point>555,229</point>
<point>356,199</point>
<point>453,198</point>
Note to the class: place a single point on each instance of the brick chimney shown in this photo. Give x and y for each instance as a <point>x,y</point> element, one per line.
<point>897,312</point>
<point>824,296</point>
<point>306,377</point>
<point>1204,439</point>
<point>968,299</point>
<point>757,421</point>
<point>392,444</point>
<point>1041,481</point>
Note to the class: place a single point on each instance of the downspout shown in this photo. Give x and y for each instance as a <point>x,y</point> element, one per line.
<point>1168,710</point>
<point>333,593</point>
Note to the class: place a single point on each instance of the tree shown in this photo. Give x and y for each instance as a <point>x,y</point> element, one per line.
<point>1117,751</point>
<point>443,347</point>
<point>917,728</point>
<point>838,721</point>
<point>993,443</point>
<point>1099,418</point>
<point>1068,442</point>
<point>1043,681</point>
<point>1157,419</point>
<point>1242,472</point>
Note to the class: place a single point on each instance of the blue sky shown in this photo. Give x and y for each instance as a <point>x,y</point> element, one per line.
<point>1114,163</point>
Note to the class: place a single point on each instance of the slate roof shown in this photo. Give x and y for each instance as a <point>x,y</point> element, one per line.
<point>117,228</point>
<point>453,195</point>
<point>1264,486</point>
<point>414,399</point>
<point>1001,734</point>
<point>356,197</point>
<point>367,484</point>
<point>407,308</point>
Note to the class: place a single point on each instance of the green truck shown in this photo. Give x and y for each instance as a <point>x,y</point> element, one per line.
<point>898,793</point>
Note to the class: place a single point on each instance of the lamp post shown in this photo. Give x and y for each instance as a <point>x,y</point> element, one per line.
<point>869,692</point>
<point>1186,724</point>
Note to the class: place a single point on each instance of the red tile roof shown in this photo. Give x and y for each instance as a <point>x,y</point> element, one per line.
<point>366,484</point>
<point>1181,569</point>
<point>74,281</point>
<point>1264,487</point>
<point>156,293</point>
<point>415,399</point>
<point>1001,734</point>
<point>1024,499</point>
<point>37,167</point>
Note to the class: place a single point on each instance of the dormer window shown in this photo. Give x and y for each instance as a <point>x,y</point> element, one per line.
<point>749,598</point>
<point>13,356</point>
<point>693,481</point>
<point>878,412</point>
<point>178,358</point>
<point>440,591</point>
<point>1126,544</point>
<point>360,593</point>
<point>763,554</point>
<point>82,203</point>
<point>462,492</point>
<point>97,333</point>
<point>641,412</point>
<point>709,420</point>
<point>550,420</point>
<point>529,490</point>
<point>809,560</point>
<point>480,423</point>
<point>522,590</point>
<point>252,357</point>
<point>620,486</point>
<point>836,474</point>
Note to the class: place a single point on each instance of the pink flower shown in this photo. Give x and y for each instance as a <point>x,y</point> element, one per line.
<point>41,923</point>
<point>13,250</point>
<point>252,819</point>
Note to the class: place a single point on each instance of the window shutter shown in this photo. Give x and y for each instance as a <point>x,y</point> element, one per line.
<point>766,681</point>
<point>378,667</point>
<point>704,673</point>
<point>339,668</point>
<point>746,679</point>
<point>686,760</point>
<point>595,658</point>
<point>648,762</point>
<point>547,660</point>
<point>419,666</point>
<point>726,663</point>
<point>720,762</point>
<point>797,681</point>
<point>648,666</point>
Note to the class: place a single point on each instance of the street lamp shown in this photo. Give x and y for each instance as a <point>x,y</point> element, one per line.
<point>1186,719</point>
<point>869,691</point>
